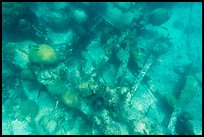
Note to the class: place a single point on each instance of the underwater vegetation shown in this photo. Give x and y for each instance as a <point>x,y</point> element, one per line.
<point>101,68</point>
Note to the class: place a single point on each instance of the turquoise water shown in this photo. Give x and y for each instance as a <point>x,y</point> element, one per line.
<point>109,68</point>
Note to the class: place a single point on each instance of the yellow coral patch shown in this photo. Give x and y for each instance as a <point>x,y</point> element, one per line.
<point>44,54</point>
<point>83,86</point>
<point>70,99</point>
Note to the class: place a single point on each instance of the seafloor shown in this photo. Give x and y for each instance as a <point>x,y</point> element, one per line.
<point>118,68</point>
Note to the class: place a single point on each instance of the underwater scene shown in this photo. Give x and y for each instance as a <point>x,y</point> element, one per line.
<point>101,68</point>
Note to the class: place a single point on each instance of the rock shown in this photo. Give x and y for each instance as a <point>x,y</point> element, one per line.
<point>158,16</point>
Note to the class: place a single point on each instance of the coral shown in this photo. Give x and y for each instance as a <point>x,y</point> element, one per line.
<point>101,70</point>
<point>57,21</point>
<point>43,54</point>
<point>183,124</point>
<point>17,20</point>
<point>112,129</point>
<point>57,87</point>
<point>11,13</point>
<point>28,111</point>
<point>124,6</point>
<point>63,75</point>
<point>8,52</point>
<point>161,45</point>
<point>71,99</point>
<point>171,100</point>
<point>138,57</point>
<point>79,16</point>
<point>27,74</point>
<point>118,18</point>
<point>189,91</point>
<point>158,16</point>
<point>178,24</point>
<point>84,89</point>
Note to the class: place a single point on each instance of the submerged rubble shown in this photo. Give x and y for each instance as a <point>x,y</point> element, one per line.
<point>114,71</point>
